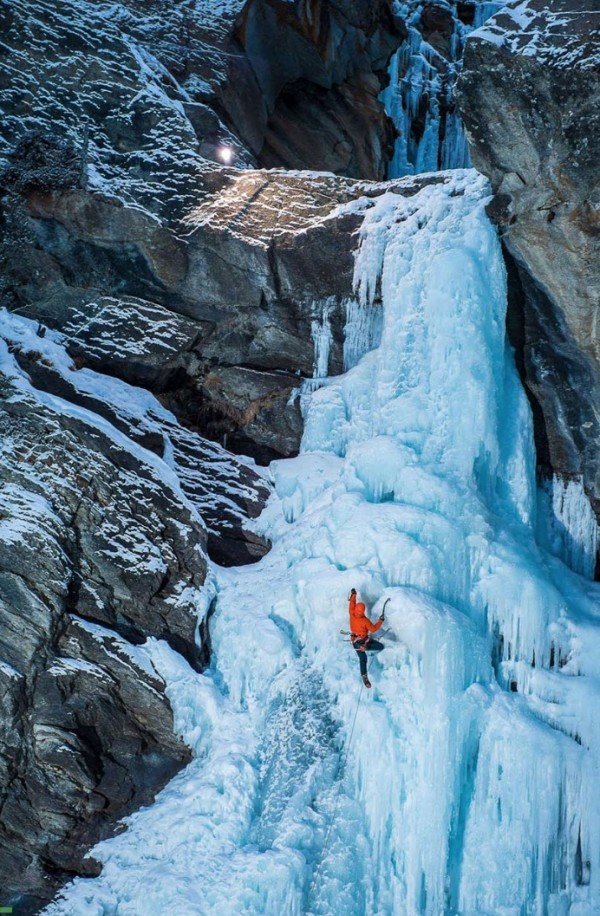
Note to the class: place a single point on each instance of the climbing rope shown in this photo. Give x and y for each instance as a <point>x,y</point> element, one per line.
<point>337,796</point>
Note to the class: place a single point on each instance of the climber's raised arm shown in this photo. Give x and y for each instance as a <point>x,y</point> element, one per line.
<point>352,601</point>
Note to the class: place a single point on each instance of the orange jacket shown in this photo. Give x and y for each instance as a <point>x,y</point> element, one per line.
<point>360,625</point>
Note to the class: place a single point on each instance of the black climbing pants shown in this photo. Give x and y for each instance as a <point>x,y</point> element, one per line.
<point>363,646</point>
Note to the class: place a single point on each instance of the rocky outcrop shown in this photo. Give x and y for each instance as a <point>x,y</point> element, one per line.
<point>226,492</point>
<point>98,551</point>
<point>344,129</point>
<point>530,97</point>
<point>142,89</point>
<point>226,338</point>
<point>113,200</point>
<point>319,67</point>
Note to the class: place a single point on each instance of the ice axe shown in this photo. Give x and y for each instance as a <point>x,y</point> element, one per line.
<point>385,604</point>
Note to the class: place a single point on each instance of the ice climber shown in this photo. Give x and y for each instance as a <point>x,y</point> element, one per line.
<point>360,628</point>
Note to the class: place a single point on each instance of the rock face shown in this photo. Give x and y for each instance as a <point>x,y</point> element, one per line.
<point>97,551</point>
<point>241,299</point>
<point>530,98</point>
<point>113,198</point>
<point>319,67</point>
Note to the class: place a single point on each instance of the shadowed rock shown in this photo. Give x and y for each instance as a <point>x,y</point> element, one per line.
<point>97,552</point>
<point>530,98</point>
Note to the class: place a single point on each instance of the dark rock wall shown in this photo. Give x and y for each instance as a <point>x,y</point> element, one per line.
<point>97,553</point>
<point>320,67</point>
<point>530,98</point>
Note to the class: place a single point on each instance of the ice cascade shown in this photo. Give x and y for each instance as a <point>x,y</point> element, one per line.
<point>567,524</point>
<point>470,785</point>
<point>420,96</point>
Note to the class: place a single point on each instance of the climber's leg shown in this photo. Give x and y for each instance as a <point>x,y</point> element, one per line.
<point>362,655</point>
<point>373,645</point>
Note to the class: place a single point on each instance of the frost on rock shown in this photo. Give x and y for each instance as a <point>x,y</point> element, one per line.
<point>99,75</point>
<point>469,784</point>
<point>223,489</point>
<point>539,30</point>
<point>99,548</point>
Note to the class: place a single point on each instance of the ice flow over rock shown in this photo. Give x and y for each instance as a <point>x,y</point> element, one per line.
<point>470,784</point>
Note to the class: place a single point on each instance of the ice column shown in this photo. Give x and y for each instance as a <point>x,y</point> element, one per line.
<point>420,97</point>
<point>321,335</point>
<point>567,524</point>
<point>362,331</point>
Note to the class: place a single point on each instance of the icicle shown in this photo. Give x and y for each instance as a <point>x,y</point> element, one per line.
<point>420,99</point>
<point>321,335</point>
<point>362,331</point>
<point>567,524</point>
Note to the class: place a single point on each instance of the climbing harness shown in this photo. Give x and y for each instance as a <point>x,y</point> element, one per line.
<point>337,795</point>
<point>379,635</point>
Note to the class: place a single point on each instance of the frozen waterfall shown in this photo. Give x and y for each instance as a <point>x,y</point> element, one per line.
<point>471,783</point>
<point>420,96</point>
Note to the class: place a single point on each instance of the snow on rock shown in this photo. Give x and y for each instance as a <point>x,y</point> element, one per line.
<point>130,119</point>
<point>529,93</point>
<point>100,548</point>
<point>465,780</point>
<point>550,33</point>
<point>225,490</point>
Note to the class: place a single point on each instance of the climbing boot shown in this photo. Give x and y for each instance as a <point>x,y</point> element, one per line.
<point>366,680</point>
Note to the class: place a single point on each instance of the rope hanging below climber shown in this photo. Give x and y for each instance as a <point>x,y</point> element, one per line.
<point>361,627</point>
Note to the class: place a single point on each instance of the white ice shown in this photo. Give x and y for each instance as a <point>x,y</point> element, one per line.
<point>567,524</point>
<point>465,782</point>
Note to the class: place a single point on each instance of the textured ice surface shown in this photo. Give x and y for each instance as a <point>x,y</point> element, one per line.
<point>567,524</point>
<point>420,95</point>
<point>470,782</point>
